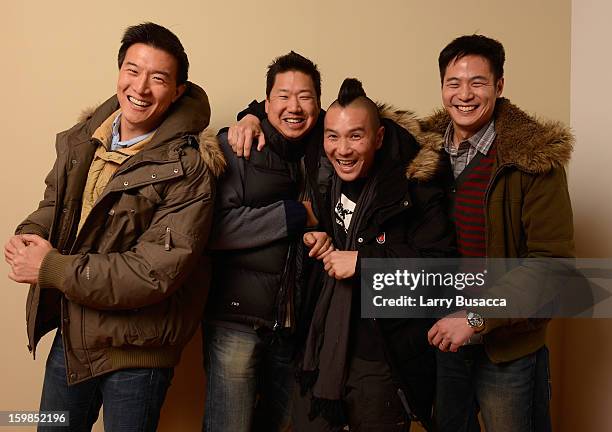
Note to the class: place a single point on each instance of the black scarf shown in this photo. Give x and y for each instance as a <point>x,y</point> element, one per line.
<point>325,358</point>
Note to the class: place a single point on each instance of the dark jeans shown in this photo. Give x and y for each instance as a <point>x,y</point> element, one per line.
<point>371,402</point>
<point>249,381</point>
<point>512,396</point>
<point>132,398</point>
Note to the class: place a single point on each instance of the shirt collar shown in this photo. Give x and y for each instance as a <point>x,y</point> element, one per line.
<point>116,142</point>
<point>481,140</point>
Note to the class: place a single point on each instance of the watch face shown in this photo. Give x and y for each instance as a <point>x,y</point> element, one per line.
<point>474,320</point>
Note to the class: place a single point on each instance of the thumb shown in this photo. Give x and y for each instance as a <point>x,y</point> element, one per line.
<point>309,239</point>
<point>33,238</point>
<point>261,141</point>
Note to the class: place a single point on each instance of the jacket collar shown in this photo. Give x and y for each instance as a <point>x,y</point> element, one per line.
<point>188,116</point>
<point>428,163</point>
<point>533,145</point>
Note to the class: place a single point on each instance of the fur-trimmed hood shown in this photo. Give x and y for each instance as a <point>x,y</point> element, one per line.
<point>211,152</point>
<point>533,145</point>
<point>426,164</point>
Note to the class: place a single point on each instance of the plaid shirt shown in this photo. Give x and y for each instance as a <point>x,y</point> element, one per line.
<point>463,154</point>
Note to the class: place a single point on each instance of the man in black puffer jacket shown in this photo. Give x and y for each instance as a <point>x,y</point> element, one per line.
<point>263,209</point>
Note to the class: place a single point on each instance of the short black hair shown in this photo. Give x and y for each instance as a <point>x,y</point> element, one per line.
<point>478,45</point>
<point>158,37</point>
<point>293,62</point>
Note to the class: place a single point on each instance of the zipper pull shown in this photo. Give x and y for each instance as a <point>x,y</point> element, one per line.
<point>168,239</point>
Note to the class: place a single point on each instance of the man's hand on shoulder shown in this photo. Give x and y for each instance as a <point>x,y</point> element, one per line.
<point>25,254</point>
<point>240,136</point>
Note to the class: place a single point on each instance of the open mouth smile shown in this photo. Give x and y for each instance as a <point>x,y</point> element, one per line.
<point>348,163</point>
<point>139,103</point>
<point>466,108</point>
<point>293,121</point>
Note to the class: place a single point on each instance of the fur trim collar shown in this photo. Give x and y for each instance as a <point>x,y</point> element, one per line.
<point>533,145</point>
<point>426,164</point>
<point>87,113</point>
<point>211,152</point>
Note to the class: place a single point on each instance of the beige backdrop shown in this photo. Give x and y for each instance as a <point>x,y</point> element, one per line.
<point>59,57</point>
<point>586,393</point>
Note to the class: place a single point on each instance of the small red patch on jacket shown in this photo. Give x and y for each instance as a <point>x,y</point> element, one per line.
<point>380,238</point>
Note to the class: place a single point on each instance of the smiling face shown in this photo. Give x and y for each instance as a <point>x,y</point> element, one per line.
<point>146,88</point>
<point>469,92</point>
<point>351,139</point>
<point>292,106</point>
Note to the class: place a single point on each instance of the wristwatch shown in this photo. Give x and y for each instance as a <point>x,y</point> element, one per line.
<point>476,321</point>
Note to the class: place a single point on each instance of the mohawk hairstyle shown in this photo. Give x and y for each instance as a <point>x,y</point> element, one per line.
<point>350,90</point>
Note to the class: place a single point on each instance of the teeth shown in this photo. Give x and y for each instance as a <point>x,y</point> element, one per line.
<point>345,162</point>
<point>466,108</point>
<point>138,102</point>
<point>291,120</point>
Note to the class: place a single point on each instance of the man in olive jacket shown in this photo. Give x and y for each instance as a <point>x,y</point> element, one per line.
<point>123,223</point>
<point>510,200</point>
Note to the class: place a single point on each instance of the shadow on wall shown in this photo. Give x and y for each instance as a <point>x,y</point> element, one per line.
<point>184,405</point>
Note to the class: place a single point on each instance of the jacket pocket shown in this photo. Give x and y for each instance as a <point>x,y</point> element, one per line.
<point>129,217</point>
<point>177,249</point>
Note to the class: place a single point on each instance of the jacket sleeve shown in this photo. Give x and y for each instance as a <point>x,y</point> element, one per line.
<point>39,222</point>
<point>547,221</point>
<point>155,266</point>
<point>258,109</point>
<point>241,227</point>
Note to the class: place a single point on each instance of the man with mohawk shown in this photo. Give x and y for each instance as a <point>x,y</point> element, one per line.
<point>374,375</point>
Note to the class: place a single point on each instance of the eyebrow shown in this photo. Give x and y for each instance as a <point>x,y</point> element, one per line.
<point>281,90</point>
<point>477,77</point>
<point>155,72</point>
<point>359,129</point>
<point>159,72</point>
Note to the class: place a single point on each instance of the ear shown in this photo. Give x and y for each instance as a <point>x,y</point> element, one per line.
<point>267,104</point>
<point>179,92</point>
<point>499,87</point>
<point>380,135</point>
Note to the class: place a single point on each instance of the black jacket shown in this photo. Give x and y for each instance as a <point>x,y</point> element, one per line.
<point>258,257</point>
<point>406,218</point>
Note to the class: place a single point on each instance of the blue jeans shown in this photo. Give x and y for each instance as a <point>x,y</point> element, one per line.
<point>240,369</point>
<point>512,396</point>
<point>132,398</point>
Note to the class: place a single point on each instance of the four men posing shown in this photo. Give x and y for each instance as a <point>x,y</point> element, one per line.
<point>116,262</point>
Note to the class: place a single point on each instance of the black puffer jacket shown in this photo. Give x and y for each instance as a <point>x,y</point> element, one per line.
<point>259,261</point>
